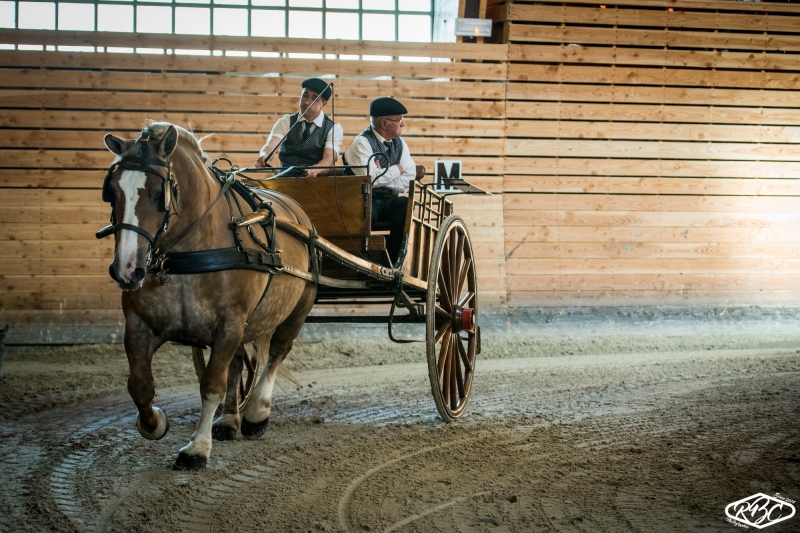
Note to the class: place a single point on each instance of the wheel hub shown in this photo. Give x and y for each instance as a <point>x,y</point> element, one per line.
<point>463,319</point>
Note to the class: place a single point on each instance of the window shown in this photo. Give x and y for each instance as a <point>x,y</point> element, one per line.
<point>380,20</point>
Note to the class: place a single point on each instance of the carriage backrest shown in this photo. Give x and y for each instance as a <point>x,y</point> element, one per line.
<point>338,206</point>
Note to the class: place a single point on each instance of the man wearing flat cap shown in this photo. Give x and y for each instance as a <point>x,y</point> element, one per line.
<point>383,137</point>
<point>315,142</point>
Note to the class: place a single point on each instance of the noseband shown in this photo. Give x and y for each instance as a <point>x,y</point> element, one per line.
<point>142,159</point>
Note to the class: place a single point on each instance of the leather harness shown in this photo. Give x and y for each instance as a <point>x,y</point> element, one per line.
<point>161,262</point>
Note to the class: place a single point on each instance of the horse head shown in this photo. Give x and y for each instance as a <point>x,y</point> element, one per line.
<point>140,189</point>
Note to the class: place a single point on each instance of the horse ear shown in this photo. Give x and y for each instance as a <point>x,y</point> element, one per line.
<point>116,145</point>
<point>168,141</point>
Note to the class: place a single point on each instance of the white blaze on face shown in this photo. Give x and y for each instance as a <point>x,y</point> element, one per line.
<point>131,182</point>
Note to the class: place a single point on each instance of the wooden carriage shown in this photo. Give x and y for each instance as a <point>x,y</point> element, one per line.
<point>434,282</point>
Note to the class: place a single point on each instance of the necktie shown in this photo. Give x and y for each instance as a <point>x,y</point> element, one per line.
<point>306,131</point>
<point>388,145</point>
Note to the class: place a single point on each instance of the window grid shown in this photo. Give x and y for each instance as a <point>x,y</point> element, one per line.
<point>211,5</point>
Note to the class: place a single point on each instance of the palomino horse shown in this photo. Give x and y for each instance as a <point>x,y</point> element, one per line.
<point>168,201</point>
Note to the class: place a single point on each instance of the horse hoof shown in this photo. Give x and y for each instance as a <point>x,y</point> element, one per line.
<point>161,429</point>
<point>189,462</point>
<point>221,432</point>
<point>254,429</point>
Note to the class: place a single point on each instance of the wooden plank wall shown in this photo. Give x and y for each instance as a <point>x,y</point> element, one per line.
<point>56,106</point>
<point>651,153</point>
<point>641,153</point>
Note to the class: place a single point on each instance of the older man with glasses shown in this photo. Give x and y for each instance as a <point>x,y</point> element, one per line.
<point>383,138</point>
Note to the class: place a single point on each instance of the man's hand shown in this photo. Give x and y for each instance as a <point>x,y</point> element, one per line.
<point>314,172</point>
<point>261,161</point>
<point>400,167</point>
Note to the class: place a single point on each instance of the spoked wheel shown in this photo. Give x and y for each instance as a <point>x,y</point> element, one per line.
<point>453,336</point>
<point>246,379</point>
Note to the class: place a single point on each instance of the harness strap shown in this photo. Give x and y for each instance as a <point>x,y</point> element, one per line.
<point>222,191</point>
<point>312,255</point>
<point>136,229</point>
<point>203,261</point>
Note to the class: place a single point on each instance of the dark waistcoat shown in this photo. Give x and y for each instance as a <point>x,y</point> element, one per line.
<point>394,151</point>
<point>297,152</point>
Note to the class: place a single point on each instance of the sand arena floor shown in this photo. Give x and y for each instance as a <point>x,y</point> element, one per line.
<point>585,433</point>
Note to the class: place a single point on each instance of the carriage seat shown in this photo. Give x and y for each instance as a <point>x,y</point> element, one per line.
<point>383,227</point>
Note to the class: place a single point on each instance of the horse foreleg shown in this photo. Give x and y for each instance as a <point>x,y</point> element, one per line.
<point>226,426</point>
<point>195,455</point>
<point>151,422</point>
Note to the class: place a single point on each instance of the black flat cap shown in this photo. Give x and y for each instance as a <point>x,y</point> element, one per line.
<point>384,106</point>
<point>318,86</point>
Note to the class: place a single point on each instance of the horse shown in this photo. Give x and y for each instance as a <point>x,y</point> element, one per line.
<point>170,206</point>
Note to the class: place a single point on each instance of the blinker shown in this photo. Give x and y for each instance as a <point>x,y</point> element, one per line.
<point>168,193</point>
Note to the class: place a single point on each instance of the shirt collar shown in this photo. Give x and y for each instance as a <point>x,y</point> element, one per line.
<point>317,121</point>
<point>378,135</point>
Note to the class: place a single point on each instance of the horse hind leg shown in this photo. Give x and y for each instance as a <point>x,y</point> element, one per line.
<point>258,409</point>
<point>226,426</point>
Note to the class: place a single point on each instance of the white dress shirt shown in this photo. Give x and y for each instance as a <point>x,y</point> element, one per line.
<point>335,136</point>
<point>360,151</point>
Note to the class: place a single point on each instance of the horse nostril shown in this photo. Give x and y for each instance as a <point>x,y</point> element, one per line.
<point>128,265</point>
<point>138,275</point>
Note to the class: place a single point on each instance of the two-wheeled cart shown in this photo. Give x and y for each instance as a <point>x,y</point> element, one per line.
<point>433,280</point>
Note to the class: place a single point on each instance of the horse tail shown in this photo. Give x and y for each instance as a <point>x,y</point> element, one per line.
<point>261,345</point>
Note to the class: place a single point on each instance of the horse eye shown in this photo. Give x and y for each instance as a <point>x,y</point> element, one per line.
<point>156,196</point>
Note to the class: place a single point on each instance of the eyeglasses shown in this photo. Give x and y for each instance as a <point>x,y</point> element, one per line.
<point>393,120</point>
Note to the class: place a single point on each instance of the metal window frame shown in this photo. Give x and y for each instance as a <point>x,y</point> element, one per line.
<point>210,5</point>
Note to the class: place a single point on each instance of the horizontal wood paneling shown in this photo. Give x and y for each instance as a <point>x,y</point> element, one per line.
<point>100,160</point>
<point>660,297</point>
<point>721,5</point>
<point>651,150</point>
<point>639,156</point>
<point>661,37</point>
<point>665,17</point>
<point>251,84</point>
<point>57,106</point>
<point>240,142</point>
<point>658,235</point>
<point>564,129</point>
<point>155,102</point>
<point>652,167</point>
<point>204,122</point>
<point>660,58</point>
<point>656,112</point>
<point>641,185</point>
<point>650,153</point>
<point>644,94</point>
<point>529,257</point>
<point>252,65</point>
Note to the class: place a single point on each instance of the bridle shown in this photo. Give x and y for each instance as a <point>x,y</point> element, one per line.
<point>142,159</point>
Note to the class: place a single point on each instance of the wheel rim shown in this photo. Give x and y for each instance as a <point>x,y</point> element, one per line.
<point>452,332</point>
